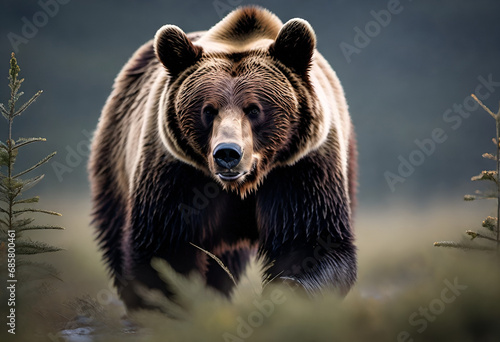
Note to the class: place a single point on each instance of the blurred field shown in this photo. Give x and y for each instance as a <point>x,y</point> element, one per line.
<point>400,273</point>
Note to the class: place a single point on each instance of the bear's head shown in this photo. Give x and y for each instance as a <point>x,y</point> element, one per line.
<point>239,101</point>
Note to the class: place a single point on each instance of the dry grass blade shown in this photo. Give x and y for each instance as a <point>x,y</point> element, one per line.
<point>219,261</point>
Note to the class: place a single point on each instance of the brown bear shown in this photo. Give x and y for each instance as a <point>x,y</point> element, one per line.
<point>236,140</point>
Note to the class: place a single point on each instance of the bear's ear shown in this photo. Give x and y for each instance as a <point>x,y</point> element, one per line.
<point>174,49</point>
<point>294,45</point>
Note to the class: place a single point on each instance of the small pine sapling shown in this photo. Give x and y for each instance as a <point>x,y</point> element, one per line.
<point>14,222</point>
<point>488,238</point>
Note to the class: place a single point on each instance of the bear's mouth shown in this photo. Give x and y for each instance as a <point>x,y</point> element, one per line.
<point>230,176</point>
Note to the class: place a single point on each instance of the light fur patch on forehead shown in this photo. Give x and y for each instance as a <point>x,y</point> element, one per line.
<point>242,30</point>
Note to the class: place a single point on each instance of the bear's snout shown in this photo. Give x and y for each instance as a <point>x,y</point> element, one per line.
<point>227,156</point>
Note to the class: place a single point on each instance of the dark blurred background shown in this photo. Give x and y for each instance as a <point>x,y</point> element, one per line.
<point>398,83</point>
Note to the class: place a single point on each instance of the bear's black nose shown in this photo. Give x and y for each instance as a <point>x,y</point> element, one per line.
<point>227,155</point>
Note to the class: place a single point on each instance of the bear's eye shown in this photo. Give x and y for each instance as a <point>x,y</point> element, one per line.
<point>209,112</point>
<point>253,112</point>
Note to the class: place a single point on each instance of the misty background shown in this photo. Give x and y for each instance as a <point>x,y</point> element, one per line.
<point>398,85</point>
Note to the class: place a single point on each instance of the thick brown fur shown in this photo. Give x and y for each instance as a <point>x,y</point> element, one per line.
<point>157,190</point>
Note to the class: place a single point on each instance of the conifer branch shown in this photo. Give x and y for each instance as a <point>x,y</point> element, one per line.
<point>452,244</point>
<point>18,224</point>
<point>474,235</point>
<point>35,247</point>
<point>41,162</point>
<point>27,200</point>
<point>39,228</point>
<point>28,184</point>
<point>469,198</point>
<point>489,156</point>
<point>486,175</point>
<point>34,210</point>
<point>22,141</point>
<point>27,104</point>
<point>4,111</point>
<point>490,223</point>
<point>484,107</point>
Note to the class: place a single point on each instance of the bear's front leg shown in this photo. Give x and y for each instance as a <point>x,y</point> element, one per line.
<point>304,223</point>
